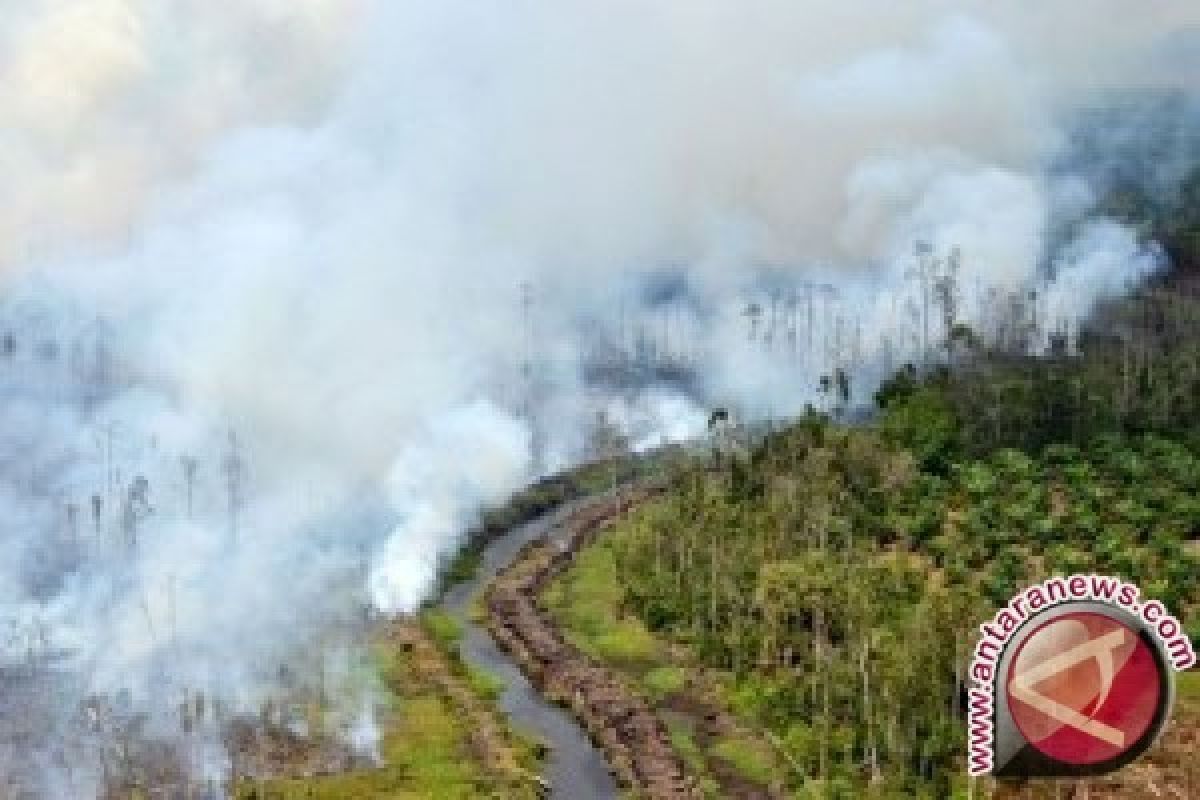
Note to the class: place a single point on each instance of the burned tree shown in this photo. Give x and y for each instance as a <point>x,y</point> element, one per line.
<point>234,467</point>
<point>190,466</point>
<point>97,509</point>
<point>135,508</point>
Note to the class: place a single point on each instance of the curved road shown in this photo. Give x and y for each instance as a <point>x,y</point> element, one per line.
<point>575,768</point>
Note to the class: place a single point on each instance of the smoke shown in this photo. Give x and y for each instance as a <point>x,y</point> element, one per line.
<point>295,289</point>
<point>104,100</point>
<point>439,497</point>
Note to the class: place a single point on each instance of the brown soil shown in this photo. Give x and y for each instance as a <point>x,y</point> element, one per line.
<point>268,751</point>
<point>1170,771</point>
<point>710,725</point>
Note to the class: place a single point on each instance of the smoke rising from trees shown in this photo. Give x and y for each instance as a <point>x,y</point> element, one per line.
<point>370,267</point>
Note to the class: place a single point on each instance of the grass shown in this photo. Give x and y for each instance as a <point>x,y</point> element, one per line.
<point>443,627</point>
<point>628,642</point>
<point>484,683</point>
<point>684,742</point>
<point>662,682</point>
<point>1187,687</point>
<point>427,749</point>
<point>463,566</point>
<point>751,760</point>
<point>425,752</point>
<point>683,739</point>
<point>587,602</point>
<point>424,756</point>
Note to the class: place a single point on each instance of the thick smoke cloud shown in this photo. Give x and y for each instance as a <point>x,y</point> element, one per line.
<point>329,277</point>
<point>101,101</point>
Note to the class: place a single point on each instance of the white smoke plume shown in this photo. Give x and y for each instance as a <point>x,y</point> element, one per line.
<point>294,289</point>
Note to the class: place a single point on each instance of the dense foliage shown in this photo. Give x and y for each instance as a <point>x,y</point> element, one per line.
<point>768,573</point>
<point>1142,375</point>
<point>837,574</point>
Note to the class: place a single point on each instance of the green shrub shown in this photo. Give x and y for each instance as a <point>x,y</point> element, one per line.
<point>662,682</point>
<point>442,627</point>
<point>751,759</point>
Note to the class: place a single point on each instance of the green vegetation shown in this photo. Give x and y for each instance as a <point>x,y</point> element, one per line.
<point>425,752</point>
<point>822,588</point>
<point>587,601</point>
<point>542,496</point>
<point>424,758</point>
<point>776,577</point>
<point>837,584</point>
<point>1119,506</point>
<point>683,739</point>
<point>662,682</point>
<point>431,743</point>
<point>484,683</point>
<point>588,606</point>
<point>1188,687</point>
<point>748,757</point>
<point>829,580</point>
<point>1136,371</point>
<point>443,627</point>
<point>439,736</point>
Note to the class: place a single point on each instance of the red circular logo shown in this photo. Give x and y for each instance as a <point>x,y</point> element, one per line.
<point>1084,688</point>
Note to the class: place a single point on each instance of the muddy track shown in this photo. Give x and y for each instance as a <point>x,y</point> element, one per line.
<point>634,739</point>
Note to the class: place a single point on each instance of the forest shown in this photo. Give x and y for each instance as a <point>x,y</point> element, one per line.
<point>558,400</point>
<point>823,582</point>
